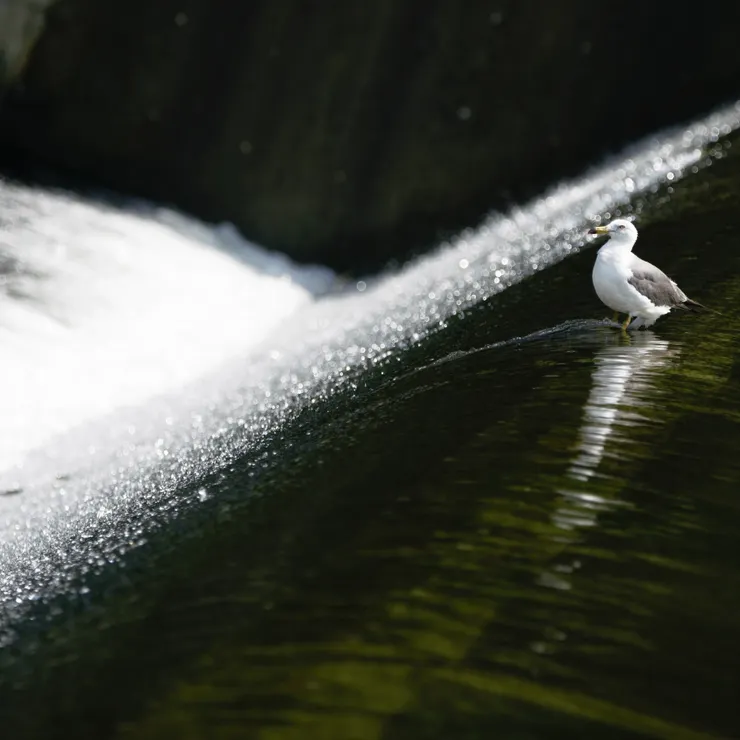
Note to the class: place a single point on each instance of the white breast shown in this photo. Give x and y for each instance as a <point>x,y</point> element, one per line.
<point>610,276</point>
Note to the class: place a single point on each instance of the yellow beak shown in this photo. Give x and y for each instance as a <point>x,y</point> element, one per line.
<point>598,230</point>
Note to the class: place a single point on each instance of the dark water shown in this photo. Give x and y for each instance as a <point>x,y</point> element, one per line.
<point>523,538</point>
<point>536,540</point>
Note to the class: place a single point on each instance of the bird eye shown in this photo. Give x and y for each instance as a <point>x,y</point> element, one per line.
<point>621,227</point>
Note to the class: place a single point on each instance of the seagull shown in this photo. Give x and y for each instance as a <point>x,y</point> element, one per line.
<point>628,284</point>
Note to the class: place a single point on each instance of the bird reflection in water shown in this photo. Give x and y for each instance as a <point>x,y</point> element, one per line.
<point>623,389</point>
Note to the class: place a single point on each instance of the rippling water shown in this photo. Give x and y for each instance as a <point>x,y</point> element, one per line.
<point>436,508</point>
<point>529,539</point>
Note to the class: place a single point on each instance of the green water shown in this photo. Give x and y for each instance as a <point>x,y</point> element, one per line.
<point>494,538</point>
<point>458,577</point>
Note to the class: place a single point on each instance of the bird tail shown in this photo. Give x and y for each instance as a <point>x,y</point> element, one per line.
<point>696,307</point>
<point>690,305</point>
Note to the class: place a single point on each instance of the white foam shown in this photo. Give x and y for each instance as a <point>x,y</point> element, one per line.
<point>119,304</point>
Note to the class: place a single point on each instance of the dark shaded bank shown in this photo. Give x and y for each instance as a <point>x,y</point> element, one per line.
<point>355,133</point>
<point>529,539</point>
<point>21,23</point>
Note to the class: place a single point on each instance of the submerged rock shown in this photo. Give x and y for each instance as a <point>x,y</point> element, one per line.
<point>353,133</point>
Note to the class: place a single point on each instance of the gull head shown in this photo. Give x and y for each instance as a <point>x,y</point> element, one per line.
<point>620,230</point>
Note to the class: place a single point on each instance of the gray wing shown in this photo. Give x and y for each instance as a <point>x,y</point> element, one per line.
<point>655,285</point>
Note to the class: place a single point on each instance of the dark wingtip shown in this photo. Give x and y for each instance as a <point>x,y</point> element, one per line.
<point>690,305</point>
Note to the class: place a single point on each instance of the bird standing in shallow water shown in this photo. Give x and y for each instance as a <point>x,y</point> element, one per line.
<point>628,284</point>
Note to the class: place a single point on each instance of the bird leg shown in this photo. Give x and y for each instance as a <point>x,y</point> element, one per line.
<point>616,317</point>
<point>626,322</point>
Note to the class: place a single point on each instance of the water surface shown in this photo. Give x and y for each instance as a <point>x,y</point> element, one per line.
<point>520,524</point>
